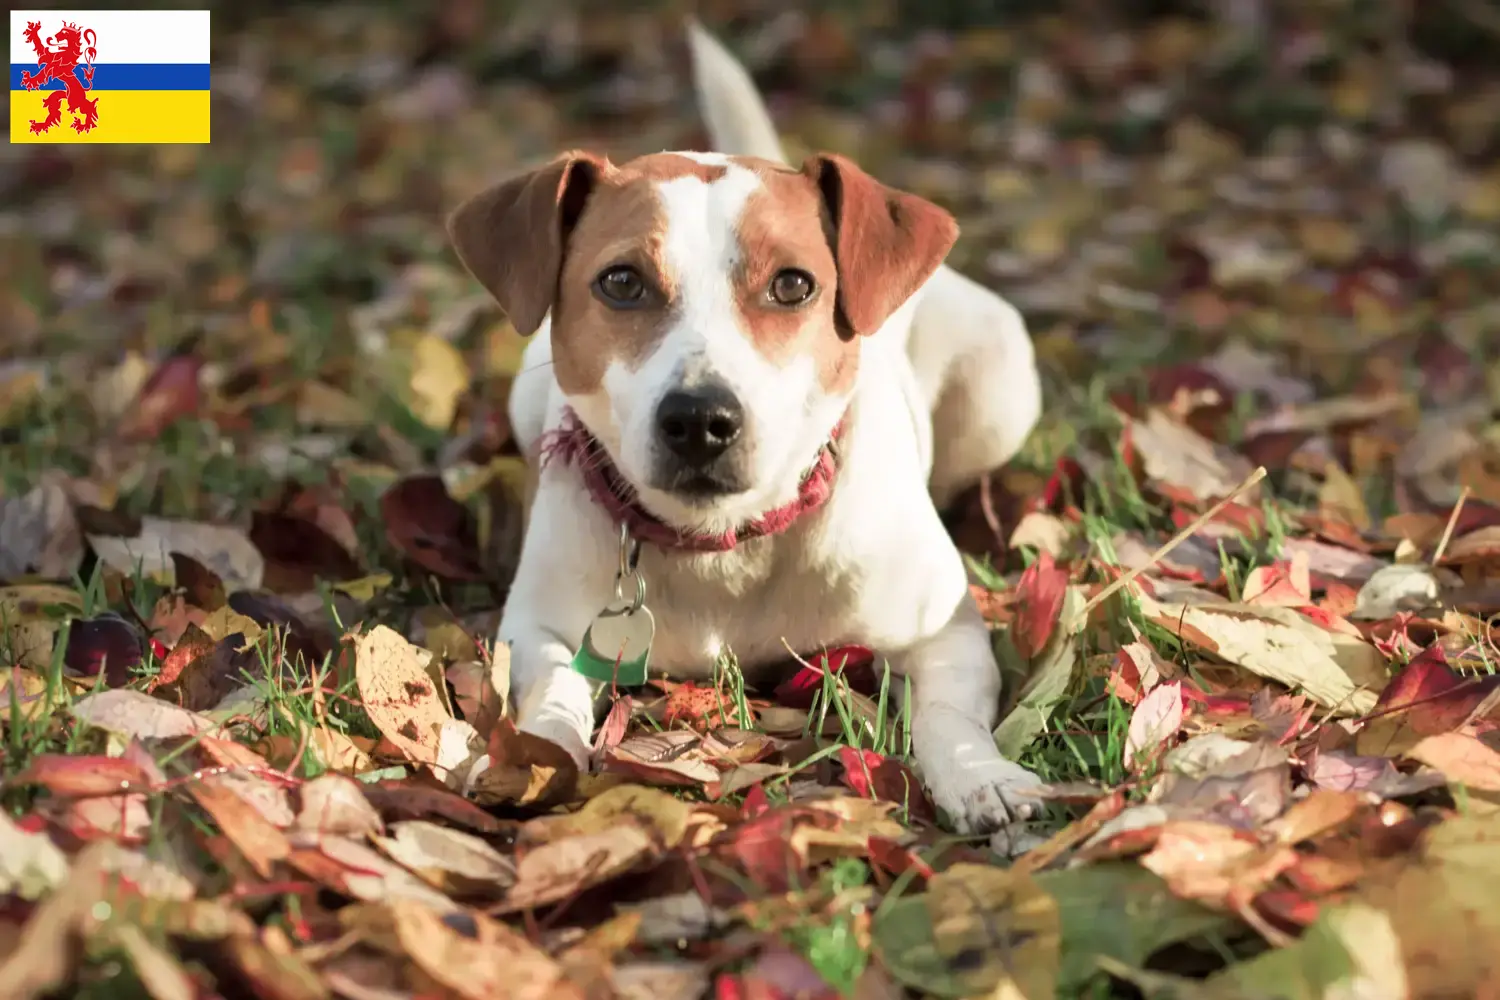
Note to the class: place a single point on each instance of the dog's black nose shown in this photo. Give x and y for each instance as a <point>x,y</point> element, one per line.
<point>698,425</point>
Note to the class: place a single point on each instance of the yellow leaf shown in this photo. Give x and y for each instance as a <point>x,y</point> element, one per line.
<point>439,377</point>
<point>1340,497</point>
<point>977,930</point>
<point>1462,759</point>
<point>398,695</point>
<point>650,807</point>
<point>1339,671</point>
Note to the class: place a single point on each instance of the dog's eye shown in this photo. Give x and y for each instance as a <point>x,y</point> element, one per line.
<point>621,286</point>
<point>791,287</point>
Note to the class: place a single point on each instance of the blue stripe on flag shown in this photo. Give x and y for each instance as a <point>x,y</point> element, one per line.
<point>128,76</point>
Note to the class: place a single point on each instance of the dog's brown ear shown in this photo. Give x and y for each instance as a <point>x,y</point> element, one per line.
<point>512,236</point>
<point>886,242</point>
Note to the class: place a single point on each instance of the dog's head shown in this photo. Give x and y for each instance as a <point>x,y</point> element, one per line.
<point>706,310</point>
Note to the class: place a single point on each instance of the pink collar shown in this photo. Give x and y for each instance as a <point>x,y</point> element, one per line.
<point>572,442</point>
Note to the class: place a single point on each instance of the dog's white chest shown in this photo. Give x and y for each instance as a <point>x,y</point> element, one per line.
<point>749,602</point>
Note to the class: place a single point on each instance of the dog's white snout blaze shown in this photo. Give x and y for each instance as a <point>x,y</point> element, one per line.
<point>864,376</point>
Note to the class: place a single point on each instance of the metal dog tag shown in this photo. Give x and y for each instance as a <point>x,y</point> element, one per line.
<point>617,646</point>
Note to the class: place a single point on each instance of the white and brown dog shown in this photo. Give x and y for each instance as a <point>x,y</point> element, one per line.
<point>767,377</point>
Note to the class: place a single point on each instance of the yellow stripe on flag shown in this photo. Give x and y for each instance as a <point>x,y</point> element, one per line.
<point>124,116</point>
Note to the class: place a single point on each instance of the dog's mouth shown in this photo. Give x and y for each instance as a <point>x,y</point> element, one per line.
<point>697,487</point>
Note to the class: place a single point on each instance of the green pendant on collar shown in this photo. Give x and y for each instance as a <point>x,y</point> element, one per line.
<point>616,647</point>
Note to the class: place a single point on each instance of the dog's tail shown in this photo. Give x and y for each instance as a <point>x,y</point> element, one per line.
<point>739,123</point>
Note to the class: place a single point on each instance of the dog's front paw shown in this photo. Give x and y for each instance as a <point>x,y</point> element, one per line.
<point>994,798</point>
<point>564,736</point>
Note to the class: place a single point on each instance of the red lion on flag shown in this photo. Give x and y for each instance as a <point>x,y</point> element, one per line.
<point>56,58</point>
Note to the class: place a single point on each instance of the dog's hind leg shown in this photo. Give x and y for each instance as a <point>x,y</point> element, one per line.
<point>975,365</point>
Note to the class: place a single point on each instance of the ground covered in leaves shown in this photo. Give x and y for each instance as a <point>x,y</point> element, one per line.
<point>259,508</point>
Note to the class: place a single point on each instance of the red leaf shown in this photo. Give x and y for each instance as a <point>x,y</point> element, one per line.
<point>897,859</point>
<point>1039,604</point>
<point>170,393</point>
<point>697,707</point>
<point>68,776</point>
<point>1286,584</point>
<point>299,553</point>
<point>763,849</point>
<point>873,776</point>
<point>408,799</point>
<point>756,802</point>
<point>194,643</point>
<point>108,644</point>
<point>430,528</point>
<point>1063,487</point>
<point>855,664</point>
<point>1431,697</point>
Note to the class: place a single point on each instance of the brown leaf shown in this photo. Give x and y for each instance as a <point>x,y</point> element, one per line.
<point>526,769</point>
<point>398,694</point>
<point>409,799</point>
<point>478,958</point>
<point>259,840</point>
<point>458,863</point>
<point>170,393</point>
<point>1216,865</point>
<point>299,553</point>
<point>82,775</point>
<point>335,804</point>
<point>1174,454</point>
<point>1155,720</point>
<point>1338,671</point>
<point>201,586</point>
<point>430,528</point>
<point>556,870</point>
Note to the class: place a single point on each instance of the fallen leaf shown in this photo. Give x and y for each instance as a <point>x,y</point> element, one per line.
<point>439,376</point>
<point>201,586</point>
<point>397,693</point>
<point>562,867</point>
<point>457,863</point>
<point>336,804</point>
<point>975,930</point>
<point>68,775</point>
<point>1281,584</point>
<point>107,645</point>
<point>650,808</point>
<point>1427,697</point>
<point>430,528</point>
<point>170,393</point>
<point>875,776</point>
<point>1040,592</point>
<point>479,958</point>
<point>30,864</point>
<point>1048,683</point>
<point>223,550</point>
<point>1174,454</point>
<point>1155,720</point>
<point>1461,759</point>
<point>260,841</point>
<point>1339,672</point>
<point>39,535</point>
<point>134,714</point>
<point>1396,588</point>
